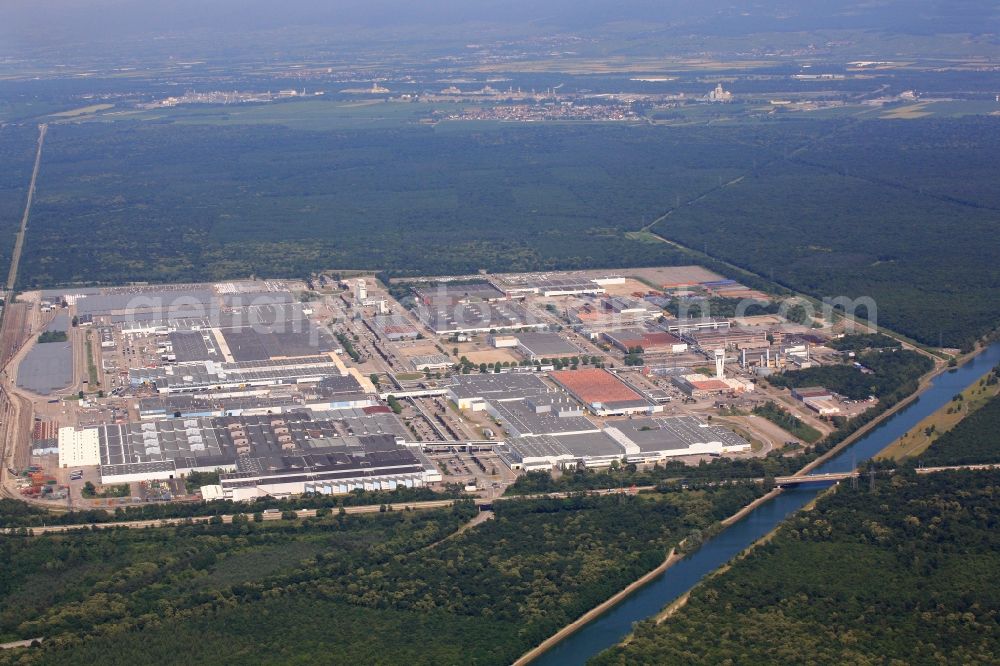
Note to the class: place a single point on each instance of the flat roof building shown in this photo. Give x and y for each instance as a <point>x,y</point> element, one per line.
<point>477,317</point>
<point>684,326</point>
<point>652,439</point>
<point>451,293</point>
<point>213,375</point>
<point>537,345</point>
<point>260,444</point>
<point>107,337</point>
<point>603,393</point>
<point>431,362</point>
<point>551,285</point>
<point>630,307</point>
<point>503,341</point>
<point>730,338</point>
<point>650,341</point>
<point>78,448</point>
<point>472,391</point>
<point>803,392</point>
<point>394,328</point>
<point>700,386</point>
<point>372,462</point>
<point>190,346</point>
<point>591,449</point>
<point>544,414</point>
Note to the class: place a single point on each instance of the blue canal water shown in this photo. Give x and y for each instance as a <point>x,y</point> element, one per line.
<point>613,626</point>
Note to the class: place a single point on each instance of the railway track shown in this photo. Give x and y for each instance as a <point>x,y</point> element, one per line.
<point>16,411</point>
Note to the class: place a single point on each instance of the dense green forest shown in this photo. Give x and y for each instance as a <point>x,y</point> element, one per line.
<point>17,155</point>
<point>903,212</point>
<point>172,202</point>
<point>672,473</point>
<point>181,202</point>
<point>862,341</point>
<point>386,588</point>
<point>891,375</point>
<point>975,439</point>
<point>788,421</point>
<point>17,513</point>
<point>909,574</point>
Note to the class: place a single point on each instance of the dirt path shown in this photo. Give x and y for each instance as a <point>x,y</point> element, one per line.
<point>15,259</point>
<point>478,519</point>
<point>19,644</point>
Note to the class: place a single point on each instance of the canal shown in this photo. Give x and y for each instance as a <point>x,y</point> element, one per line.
<point>611,627</point>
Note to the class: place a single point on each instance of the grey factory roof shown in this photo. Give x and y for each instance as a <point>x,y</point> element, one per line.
<point>580,446</point>
<point>282,316</point>
<point>270,331</point>
<point>519,418</point>
<point>167,440</point>
<point>498,386</point>
<point>194,346</point>
<point>543,446</point>
<point>256,298</point>
<point>394,327</point>
<point>192,376</point>
<point>476,317</point>
<point>167,466</point>
<point>546,344</point>
<point>158,320</point>
<point>359,423</point>
<point>549,283</point>
<point>454,292</point>
<point>255,344</point>
<point>205,441</point>
<point>264,317</point>
<point>679,432</point>
<point>370,457</point>
<point>335,386</point>
<point>146,300</point>
<point>565,284</point>
<point>188,404</point>
<point>591,444</point>
<point>380,321</point>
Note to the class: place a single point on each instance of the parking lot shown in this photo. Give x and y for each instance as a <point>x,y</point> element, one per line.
<point>483,469</point>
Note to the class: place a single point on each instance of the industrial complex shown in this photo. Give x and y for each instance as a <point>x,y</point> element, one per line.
<point>338,384</point>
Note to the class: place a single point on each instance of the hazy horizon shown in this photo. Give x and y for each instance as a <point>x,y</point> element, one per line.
<point>75,24</point>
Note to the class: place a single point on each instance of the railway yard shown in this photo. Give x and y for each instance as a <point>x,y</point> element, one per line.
<point>120,395</point>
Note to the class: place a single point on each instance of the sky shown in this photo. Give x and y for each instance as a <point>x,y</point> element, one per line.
<point>30,24</point>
